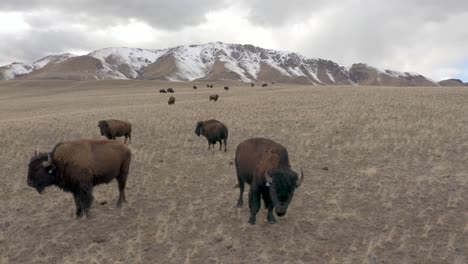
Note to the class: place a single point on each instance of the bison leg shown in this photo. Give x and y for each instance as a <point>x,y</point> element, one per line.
<point>79,211</point>
<point>269,205</point>
<point>225,144</point>
<point>254,204</point>
<point>86,199</point>
<point>240,201</point>
<point>122,180</point>
<point>220,144</point>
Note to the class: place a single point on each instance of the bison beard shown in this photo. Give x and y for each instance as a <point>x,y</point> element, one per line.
<point>264,165</point>
<point>73,166</point>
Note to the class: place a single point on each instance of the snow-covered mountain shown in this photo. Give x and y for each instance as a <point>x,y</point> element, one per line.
<point>211,61</point>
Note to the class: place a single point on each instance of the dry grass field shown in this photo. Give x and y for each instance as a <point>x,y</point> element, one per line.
<point>396,188</point>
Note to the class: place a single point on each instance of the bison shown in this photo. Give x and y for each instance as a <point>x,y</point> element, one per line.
<point>264,165</point>
<point>211,86</point>
<point>171,100</point>
<point>214,131</point>
<point>194,87</point>
<point>162,91</point>
<point>113,128</point>
<point>170,90</point>
<point>214,97</point>
<point>226,88</point>
<point>207,86</point>
<point>77,166</point>
<point>264,85</point>
<point>252,84</point>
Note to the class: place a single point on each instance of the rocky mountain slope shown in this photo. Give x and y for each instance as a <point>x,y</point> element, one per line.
<point>207,62</point>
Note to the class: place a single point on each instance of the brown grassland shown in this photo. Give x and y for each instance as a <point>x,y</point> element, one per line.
<point>396,188</point>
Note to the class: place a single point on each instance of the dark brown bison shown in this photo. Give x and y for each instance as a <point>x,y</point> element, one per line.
<point>226,88</point>
<point>211,86</point>
<point>78,166</point>
<point>214,97</point>
<point>264,165</point>
<point>170,90</point>
<point>194,87</point>
<point>171,100</point>
<point>252,84</point>
<point>264,85</point>
<point>113,128</point>
<point>214,131</point>
<point>162,91</point>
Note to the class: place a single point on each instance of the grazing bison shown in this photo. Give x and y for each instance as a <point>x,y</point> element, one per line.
<point>264,85</point>
<point>214,97</point>
<point>194,87</point>
<point>211,86</point>
<point>226,88</point>
<point>214,131</point>
<point>171,100</point>
<point>113,128</point>
<point>170,90</point>
<point>162,91</point>
<point>252,84</point>
<point>77,166</point>
<point>264,165</point>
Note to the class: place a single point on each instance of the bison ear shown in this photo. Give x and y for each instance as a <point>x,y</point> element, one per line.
<point>299,182</point>
<point>268,178</point>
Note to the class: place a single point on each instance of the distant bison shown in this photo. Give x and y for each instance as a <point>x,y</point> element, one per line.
<point>113,128</point>
<point>78,166</point>
<point>207,86</point>
<point>214,131</point>
<point>214,97</point>
<point>264,165</point>
<point>194,87</point>
<point>171,100</point>
<point>252,84</point>
<point>162,91</point>
<point>264,85</point>
<point>211,86</point>
<point>226,88</point>
<point>170,90</point>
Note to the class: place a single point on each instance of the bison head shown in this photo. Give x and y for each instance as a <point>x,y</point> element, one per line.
<point>198,128</point>
<point>283,183</point>
<point>41,172</point>
<point>103,125</point>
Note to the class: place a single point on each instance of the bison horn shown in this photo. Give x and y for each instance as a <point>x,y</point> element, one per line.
<point>47,163</point>
<point>267,176</point>
<point>299,182</point>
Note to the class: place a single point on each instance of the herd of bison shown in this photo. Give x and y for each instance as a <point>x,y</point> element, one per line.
<point>79,165</point>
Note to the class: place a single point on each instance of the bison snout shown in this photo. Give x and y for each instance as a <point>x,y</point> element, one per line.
<point>280,212</point>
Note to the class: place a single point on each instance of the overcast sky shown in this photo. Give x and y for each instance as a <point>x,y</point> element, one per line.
<point>424,36</point>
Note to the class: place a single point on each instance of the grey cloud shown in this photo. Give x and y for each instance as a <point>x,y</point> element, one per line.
<point>160,14</point>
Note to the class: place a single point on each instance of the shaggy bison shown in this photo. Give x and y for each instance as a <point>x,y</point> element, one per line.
<point>78,166</point>
<point>264,85</point>
<point>226,88</point>
<point>113,128</point>
<point>264,165</point>
<point>214,97</point>
<point>171,100</point>
<point>211,86</point>
<point>194,87</point>
<point>214,131</point>
<point>252,84</point>
<point>162,91</point>
<point>170,90</point>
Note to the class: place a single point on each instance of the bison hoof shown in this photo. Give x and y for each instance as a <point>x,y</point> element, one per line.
<point>252,221</point>
<point>272,221</point>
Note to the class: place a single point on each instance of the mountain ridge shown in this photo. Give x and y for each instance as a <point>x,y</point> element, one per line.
<point>208,62</point>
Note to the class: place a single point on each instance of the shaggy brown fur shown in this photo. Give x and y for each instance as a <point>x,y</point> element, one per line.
<point>162,91</point>
<point>194,87</point>
<point>226,88</point>
<point>113,128</point>
<point>77,166</point>
<point>264,165</point>
<point>214,131</point>
<point>170,90</point>
<point>264,85</point>
<point>171,100</point>
<point>214,97</point>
